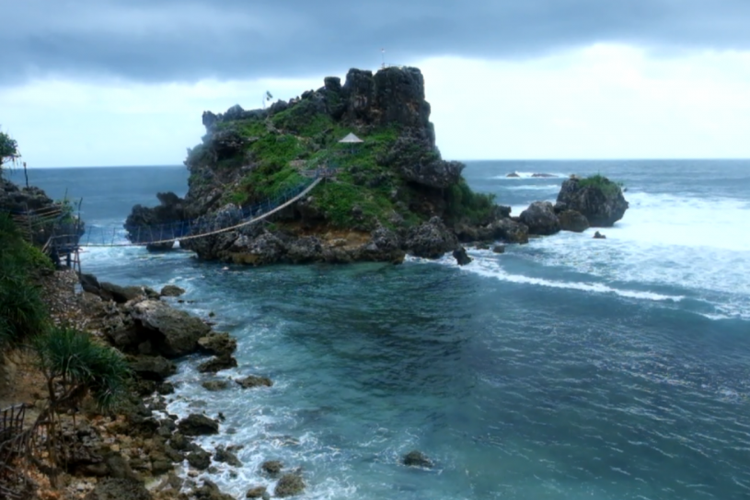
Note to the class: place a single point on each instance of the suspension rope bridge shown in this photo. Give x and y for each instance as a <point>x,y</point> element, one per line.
<point>68,237</point>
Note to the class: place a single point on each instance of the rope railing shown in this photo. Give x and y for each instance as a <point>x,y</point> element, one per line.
<point>224,221</point>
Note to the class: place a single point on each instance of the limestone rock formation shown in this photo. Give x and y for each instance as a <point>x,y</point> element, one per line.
<point>381,196</point>
<point>540,218</point>
<point>570,220</point>
<point>599,200</point>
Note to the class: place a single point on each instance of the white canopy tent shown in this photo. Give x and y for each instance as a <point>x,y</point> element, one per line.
<point>351,139</point>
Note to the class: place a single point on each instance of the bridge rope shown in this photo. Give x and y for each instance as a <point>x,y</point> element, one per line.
<point>184,230</point>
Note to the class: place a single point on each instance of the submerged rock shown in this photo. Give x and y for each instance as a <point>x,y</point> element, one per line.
<point>272,467</point>
<point>417,459</point>
<point>226,456</point>
<point>599,236</point>
<point>172,291</point>
<point>289,485</point>
<point>254,381</point>
<point>215,385</point>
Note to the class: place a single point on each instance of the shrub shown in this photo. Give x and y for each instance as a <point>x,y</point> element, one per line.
<point>22,312</point>
<point>80,365</point>
<point>8,150</point>
<point>463,203</point>
<point>598,181</point>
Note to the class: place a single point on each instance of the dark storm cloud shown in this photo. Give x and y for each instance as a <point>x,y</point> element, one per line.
<point>171,40</point>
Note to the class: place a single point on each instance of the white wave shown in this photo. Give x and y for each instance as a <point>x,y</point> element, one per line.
<point>493,269</point>
<point>532,175</point>
<point>532,187</point>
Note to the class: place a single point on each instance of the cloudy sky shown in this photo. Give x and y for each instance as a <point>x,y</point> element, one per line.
<point>124,82</point>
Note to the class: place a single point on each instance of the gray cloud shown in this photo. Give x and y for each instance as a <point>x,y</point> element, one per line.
<point>172,40</point>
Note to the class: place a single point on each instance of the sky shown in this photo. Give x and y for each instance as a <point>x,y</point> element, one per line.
<point>124,82</point>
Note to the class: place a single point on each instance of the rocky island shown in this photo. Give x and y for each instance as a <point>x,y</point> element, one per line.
<point>386,196</point>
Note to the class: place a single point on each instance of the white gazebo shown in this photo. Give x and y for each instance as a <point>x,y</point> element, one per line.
<point>351,139</point>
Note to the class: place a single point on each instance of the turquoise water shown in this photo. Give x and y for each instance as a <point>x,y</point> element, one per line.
<point>567,368</point>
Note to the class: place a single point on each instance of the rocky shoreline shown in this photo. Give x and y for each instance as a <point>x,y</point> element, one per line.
<point>140,444</point>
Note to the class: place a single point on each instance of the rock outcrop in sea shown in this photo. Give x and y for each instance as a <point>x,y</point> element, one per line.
<point>382,198</point>
<point>598,199</point>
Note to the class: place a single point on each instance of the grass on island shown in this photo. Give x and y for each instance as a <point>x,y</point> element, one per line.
<point>365,192</point>
<point>607,186</point>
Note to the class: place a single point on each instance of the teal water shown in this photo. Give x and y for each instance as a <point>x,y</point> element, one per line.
<point>567,368</point>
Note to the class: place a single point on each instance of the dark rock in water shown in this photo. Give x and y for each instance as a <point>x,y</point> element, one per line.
<point>198,425</point>
<point>498,249</point>
<point>256,492</point>
<point>570,220</point>
<point>119,489</point>
<point>217,363</point>
<point>219,344</point>
<point>174,333</point>
<point>155,368</point>
<point>200,459</point>
<point>540,218</point>
<point>417,459</point>
<point>602,203</point>
<point>153,224</point>
<point>513,175</point>
<point>254,381</point>
<point>431,239</point>
<point>209,491</point>
<point>599,236</point>
<point>272,467</point>
<point>461,257</point>
<point>165,388</point>
<point>215,385</point>
<point>289,485</point>
<point>171,291</point>
<point>226,456</point>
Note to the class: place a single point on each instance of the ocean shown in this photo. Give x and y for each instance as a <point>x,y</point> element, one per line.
<point>567,368</point>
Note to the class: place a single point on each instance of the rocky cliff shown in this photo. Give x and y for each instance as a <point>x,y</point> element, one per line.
<point>389,195</point>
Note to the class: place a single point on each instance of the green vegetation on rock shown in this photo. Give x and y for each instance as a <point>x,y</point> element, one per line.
<point>22,312</point>
<point>598,181</point>
<point>80,365</point>
<point>8,150</point>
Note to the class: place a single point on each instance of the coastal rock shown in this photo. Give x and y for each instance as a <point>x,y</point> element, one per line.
<point>256,492</point>
<point>198,425</point>
<point>570,220</point>
<point>600,200</point>
<point>209,491</point>
<point>120,294</point>
<point>119,489</point>
<point>172,332</point>
<point>513,175</point>
<point>289,485</point>
<point>172,291</point>
<point>217,363</point>
<point>146,224</point>
<point>540,218</point>
<point>498,249</point>
<point>154,368</point>
<point>199,459</point>
<point>219,344</point>
<point>431,239</point>
<point>252,381</point>
<point>417,459</point>
<point>226,456</point>
<point>461,256</point>
<point>599,236</point>
<point>215,385</point>
<point>272,467</point>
